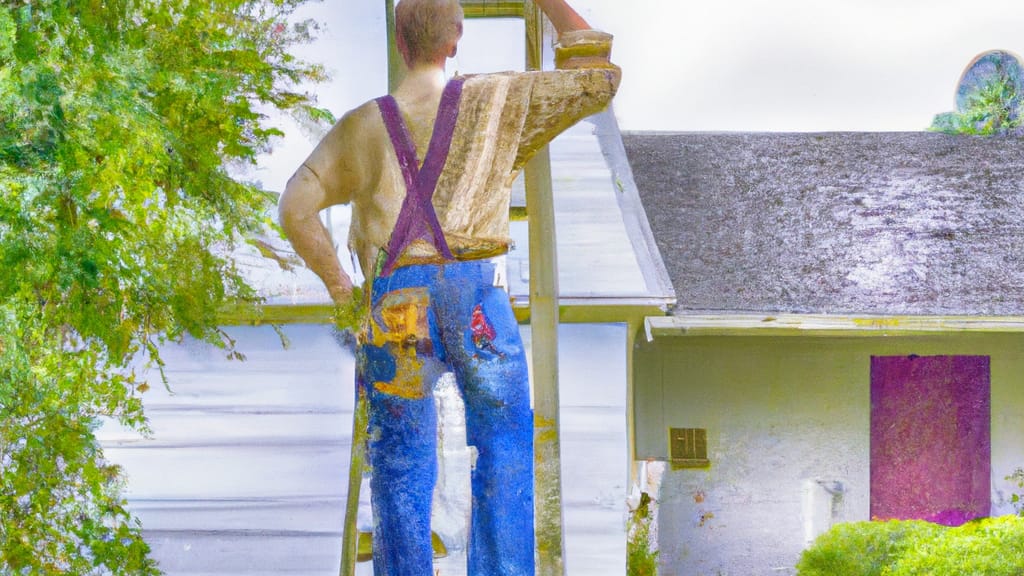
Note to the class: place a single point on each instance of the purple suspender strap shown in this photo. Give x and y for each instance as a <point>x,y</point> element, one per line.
<point>417,219</point>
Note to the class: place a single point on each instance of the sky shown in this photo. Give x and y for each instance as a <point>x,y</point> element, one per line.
<point>723,65</point>
<point>799,65</point>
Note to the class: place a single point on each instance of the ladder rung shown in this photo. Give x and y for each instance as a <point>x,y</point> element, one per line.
<point>496,9</point>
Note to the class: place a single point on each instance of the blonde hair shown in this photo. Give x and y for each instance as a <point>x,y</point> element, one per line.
<point>427,27</point>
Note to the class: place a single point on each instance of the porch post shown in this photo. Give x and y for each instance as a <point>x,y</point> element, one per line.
<point>544,330</point>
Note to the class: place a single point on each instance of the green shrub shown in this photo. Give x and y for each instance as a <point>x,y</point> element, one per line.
<point>641,559</point>
<point>986,547</point>
<point>863,548</point>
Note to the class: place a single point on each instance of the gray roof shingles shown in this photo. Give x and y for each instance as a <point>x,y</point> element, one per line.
<point>839,223</point>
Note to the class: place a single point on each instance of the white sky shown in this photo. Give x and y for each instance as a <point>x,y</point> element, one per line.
<point>725,65</point>
<point>798,65</point>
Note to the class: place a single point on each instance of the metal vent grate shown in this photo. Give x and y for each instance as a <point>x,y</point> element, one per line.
<point>688,448</point>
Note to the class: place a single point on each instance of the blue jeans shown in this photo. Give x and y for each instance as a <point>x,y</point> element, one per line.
<point>426,320</point>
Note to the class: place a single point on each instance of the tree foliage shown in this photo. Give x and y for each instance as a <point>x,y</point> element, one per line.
<point>991,105</point>
<point>995,108</point>
<point>119,120</point>
<point>864,548</point>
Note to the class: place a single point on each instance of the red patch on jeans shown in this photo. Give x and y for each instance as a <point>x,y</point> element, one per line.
<point>483,332</point>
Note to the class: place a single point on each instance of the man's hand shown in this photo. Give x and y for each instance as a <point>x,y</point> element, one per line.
<point>350,310</point>
<point>341,291</point>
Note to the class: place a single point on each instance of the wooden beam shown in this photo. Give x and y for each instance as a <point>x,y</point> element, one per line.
<point>396,65</point>
<point>544,330</point>
<point>357,463</point>
<point>570,311</point>
<point>824,325</point>
<point>544,349</point>
<point>493,9</point>
<point>277,314</point>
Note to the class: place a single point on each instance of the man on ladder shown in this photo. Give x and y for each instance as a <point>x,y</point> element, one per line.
<point>428,171</point>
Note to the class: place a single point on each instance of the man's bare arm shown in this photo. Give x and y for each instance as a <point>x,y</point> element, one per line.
<point>299,213</point>
<point>323,180</point>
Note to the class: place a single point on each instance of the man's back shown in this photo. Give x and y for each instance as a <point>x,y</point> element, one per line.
<point>503,120</point>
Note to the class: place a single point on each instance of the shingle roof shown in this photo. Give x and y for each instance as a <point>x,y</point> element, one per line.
<point>845,223</point>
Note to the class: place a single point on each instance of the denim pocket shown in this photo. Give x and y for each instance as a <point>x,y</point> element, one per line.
<point>399,337</point>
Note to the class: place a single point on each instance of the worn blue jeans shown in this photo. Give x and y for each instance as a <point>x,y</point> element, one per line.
<point>426,320</point>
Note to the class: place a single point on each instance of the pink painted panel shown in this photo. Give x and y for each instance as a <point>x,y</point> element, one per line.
<point>930,438</point>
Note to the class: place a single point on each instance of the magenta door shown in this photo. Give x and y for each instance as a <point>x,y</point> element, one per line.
<point>930,438</point>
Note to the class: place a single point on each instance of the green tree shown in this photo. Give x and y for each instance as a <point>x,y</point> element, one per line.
<point>994,108</point>
<point>990,99</point>
<point>118,122</point>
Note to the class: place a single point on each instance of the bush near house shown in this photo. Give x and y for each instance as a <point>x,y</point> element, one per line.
<point>989,547</point>
<point>641,558</point>
<point>864,548</point>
